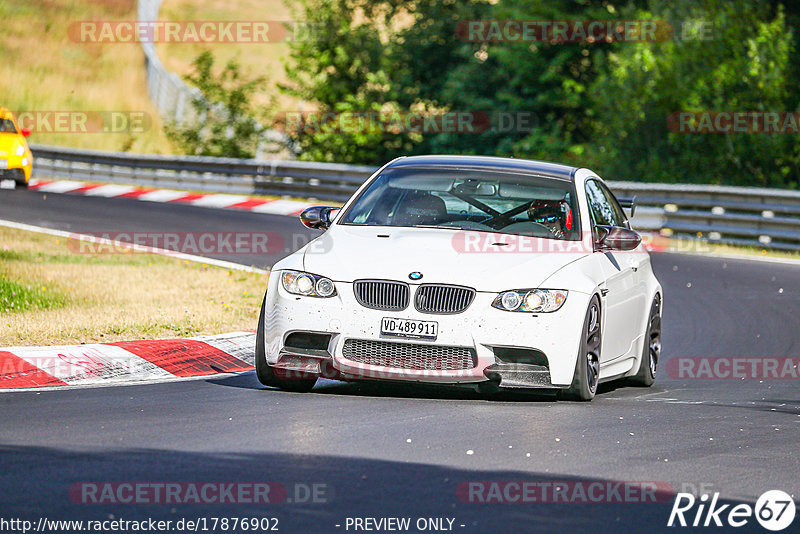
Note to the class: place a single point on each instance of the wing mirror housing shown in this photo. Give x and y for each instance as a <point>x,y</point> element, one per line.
<point>318,217</point>
<point>616,238</point>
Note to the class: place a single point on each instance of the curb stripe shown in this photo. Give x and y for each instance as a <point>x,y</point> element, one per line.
<point>206,200</point>
<point>187,198</point>
<point>162,195</point>
<point>249,204</point>
<point>17,373</point>
<point>125,362</point>
<point>85,190</point>
<point>185,357</point>
<point>136,193</point>
<point>89,364</point>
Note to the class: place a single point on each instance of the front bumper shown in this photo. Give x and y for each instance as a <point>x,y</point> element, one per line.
<point>11,168</point>
<point>488,333</point>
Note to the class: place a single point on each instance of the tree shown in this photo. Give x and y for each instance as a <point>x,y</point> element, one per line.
<point>745,64</point>
<point>223,124</point>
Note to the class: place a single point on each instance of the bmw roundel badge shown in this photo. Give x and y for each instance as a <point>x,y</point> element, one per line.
<point>416,275</point>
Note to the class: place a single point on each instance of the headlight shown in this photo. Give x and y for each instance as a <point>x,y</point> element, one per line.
<point>307,284</point>
<point>531,300</point>
<point>20,150</point>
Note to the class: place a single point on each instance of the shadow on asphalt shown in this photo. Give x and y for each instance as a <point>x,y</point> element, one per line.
<point>412,390</point>
<point>36,482</point>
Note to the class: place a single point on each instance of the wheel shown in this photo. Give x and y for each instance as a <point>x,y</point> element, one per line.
<point>652,348</point>
<point>18,175</point>
<point>587,368</point>
<point>266,374</point>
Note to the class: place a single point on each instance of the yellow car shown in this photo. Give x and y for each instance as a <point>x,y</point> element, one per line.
<point>16,160</point>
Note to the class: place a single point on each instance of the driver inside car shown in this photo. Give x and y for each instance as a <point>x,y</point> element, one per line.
<point>556,215</point>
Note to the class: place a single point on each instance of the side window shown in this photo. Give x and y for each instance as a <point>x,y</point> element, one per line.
<point>619,215</point>
<point>601,208</point>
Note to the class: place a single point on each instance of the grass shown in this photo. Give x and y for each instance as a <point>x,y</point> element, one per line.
<point>16,297</point>
<point>50,295</point>
<point>43,69</point>
<point>257,59</point>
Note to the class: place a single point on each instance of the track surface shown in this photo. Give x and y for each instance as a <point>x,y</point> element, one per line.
<point>738,438</point>
<point>97,216</point>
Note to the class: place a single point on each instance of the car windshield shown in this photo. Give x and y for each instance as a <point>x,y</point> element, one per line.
<point>7,126</point>
<point>477,199</point>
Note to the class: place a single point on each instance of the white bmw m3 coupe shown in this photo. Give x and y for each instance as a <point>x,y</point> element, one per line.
<point>502,273</point>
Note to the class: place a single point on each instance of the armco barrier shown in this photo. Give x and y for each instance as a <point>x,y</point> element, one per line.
<point>173,98</point>
<point>768,218</point>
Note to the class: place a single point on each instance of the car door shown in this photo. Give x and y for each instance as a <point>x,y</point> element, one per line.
<point>619,298</point>
<point>639,262</point>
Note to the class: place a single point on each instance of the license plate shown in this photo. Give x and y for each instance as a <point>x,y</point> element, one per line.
<point>3,164</point>
<point>409,328</point>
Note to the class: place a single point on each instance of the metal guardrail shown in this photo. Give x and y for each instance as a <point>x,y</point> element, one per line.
<point>768,218</point>
<point>168,92</point>
<point>317,181</point>
<point>173,97</point>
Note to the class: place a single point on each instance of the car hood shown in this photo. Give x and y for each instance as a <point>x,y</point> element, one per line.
<point>348,253</point>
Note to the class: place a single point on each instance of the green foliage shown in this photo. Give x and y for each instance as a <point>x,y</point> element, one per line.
<point>344,69</point>
<point>223,124</point>
<point>746,65</point>
<point>604,105</point>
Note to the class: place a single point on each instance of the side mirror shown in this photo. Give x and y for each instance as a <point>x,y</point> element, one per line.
<point>616,238</point>
<point>628,203</point>
<point>25,132</point>
<point>318,217</point>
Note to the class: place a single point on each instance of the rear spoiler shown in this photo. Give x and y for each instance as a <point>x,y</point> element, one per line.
<point>628,203</point>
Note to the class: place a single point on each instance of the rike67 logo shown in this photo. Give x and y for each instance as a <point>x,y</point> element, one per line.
<point>774,510</point>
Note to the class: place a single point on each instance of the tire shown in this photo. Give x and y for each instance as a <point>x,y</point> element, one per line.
<point>19,179</point>
<point>651,351</point>
<point>266,374</point>
<point>587,366</point>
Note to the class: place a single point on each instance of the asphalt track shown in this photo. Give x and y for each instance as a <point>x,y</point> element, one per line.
<point>401,451</point>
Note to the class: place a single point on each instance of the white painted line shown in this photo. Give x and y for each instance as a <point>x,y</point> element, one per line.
<point>281,207</point>
<point>153,250</point>
<point>62,186</point>
<point>110,190</point>
<point>8,184</point>
<point>219,200</point>
<point>162,195</point>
